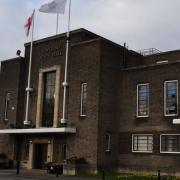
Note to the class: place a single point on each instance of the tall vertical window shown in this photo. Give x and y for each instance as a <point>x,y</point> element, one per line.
<point>26,150</point>
<point>48,100</point>
<point>7,100</point>
<point>64,151</point>
<point>142,143</point>
<point>83,110</point>
<point>108,142</point>
<point>142,100</point>
<point>171,97</point>
<point>170,143</point>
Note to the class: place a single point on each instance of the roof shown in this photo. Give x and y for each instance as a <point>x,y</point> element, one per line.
<point>12,59</point>
<point>81,30</point>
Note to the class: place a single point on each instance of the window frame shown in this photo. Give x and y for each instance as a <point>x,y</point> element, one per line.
<point>81,100</point>
<point>165,82</point>
<point>137,105</point>
<point>135,151</point>
<point>165,152</point>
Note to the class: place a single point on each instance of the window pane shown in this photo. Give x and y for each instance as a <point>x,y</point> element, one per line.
<point>171,97</point>
<point>143,100</point>
<point>143,143</point>
<point>7,100</point>
<point>83,98</point>
<point>170,143</point>
<point>48,100</point>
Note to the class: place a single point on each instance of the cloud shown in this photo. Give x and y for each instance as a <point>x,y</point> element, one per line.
<point>142,24</point>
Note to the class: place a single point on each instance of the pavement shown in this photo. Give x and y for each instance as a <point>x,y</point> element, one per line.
<point>33,175</point>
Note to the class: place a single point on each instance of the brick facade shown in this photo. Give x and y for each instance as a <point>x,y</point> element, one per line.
<point>112,73</point>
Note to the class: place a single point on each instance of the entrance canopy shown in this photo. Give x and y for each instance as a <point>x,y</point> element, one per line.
<point>63,130</point>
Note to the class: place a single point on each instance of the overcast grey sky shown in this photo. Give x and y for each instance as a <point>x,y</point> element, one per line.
<point>140,23</point>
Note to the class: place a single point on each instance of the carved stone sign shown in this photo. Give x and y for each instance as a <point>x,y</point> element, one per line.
<point>50,52</point>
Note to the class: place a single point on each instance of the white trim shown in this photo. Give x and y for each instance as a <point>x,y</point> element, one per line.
<point>176,121</point>
<point>137,99</point>
<point>165,152</point>
<point>165,98</point>
<point>142,135</point>
<point>38,130</point>
<point>81,105</point>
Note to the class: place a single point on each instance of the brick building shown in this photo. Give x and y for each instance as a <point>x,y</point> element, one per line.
<point>122,105</point>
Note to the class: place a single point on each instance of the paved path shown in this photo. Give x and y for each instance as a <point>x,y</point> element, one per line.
<point>33,175</point>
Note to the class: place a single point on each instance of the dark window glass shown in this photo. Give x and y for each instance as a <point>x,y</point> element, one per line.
<point>26,150</point>
<point>48,100</point>
<point>83,99</point>
<point>7,100</point>
<point>64,151</point>
<point>171,97</point>
<point>108,142</point>
<point>143,100</point>
<point>170,143</point>
<point>143,143</point>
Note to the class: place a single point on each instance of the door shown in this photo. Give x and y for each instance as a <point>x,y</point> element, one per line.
<point>40,155</point>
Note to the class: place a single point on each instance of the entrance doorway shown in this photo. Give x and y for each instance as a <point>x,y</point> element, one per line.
<point>40,155</point>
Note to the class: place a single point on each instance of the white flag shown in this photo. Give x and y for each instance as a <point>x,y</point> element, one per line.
<point>56,6</point>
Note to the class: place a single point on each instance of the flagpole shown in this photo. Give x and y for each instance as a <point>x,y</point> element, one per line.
<point>29,89</point>
<point>57,23</point>
<point>65,83</point>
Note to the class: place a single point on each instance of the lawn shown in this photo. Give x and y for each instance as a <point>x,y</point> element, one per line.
<point>114,176</point>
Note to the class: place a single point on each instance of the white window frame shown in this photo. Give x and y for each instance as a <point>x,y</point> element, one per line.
<point>164,152</point>
<point>165,98</point>
<point>137,105</point>
<point>7,99</point>
<point>81,108</point>
<point>141,135</point>
<point>108,148</point>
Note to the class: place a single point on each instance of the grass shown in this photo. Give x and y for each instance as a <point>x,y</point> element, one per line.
<point>122,176</point>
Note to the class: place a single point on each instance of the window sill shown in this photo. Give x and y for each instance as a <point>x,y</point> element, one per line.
<point>108,151</point>
<point>170,115</point>
<point>142,117</point>
<point>83,116</point>
<point>144,152</point>
<point>170,152</point>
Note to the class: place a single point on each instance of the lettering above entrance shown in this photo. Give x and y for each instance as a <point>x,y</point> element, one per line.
<point>50,52</point>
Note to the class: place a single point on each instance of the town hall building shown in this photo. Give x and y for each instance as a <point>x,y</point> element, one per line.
<point>122,106</point>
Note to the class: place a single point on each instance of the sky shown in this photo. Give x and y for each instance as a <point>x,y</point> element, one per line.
<point>141,24</point>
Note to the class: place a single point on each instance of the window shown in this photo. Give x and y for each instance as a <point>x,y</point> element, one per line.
<point>64,151</point>
<point>170,143</point>
<point>26,150</point>
<point>49,99</point>
<point>142,143</point>
<point>83,110</point>
<point>171,98</point>
<point>7,100</point>
<point>142,100</point>
<point>108,142</point>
